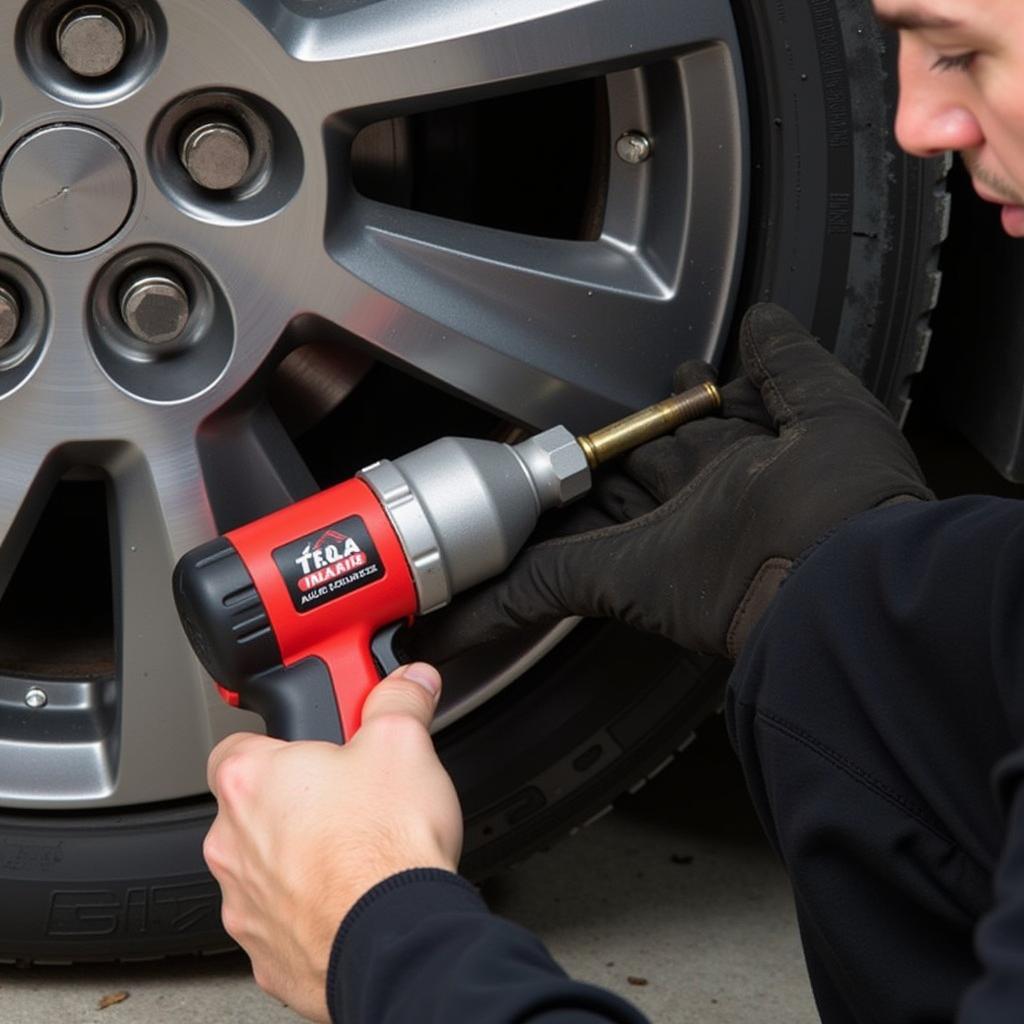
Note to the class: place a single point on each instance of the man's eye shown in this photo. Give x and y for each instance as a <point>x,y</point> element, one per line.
<point>960,62</point>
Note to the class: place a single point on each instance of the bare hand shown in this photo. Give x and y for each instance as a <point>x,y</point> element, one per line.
<point>303,830</point>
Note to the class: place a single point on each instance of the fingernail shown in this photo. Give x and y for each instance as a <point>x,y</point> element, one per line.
<point>423,675</point>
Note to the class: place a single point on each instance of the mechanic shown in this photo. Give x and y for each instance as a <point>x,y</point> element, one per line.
<point>877,704</point>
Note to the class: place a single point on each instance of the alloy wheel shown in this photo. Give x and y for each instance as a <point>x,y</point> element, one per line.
<point>191,208</point>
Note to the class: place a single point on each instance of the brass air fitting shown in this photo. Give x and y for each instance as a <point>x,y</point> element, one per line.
<point>643,426</point>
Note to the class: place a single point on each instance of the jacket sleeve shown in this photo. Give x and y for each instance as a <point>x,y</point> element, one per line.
<point>878,710</point>
<point>963,591</point>
<point>998,996</point>
<point>422,947</point>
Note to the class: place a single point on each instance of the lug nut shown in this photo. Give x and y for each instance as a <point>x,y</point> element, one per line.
<point>10,315</point>
<point>35,698</point>
<point>155,308</point>
<point>633,147</point>
<point>91,41</point>
<point>216,155</point>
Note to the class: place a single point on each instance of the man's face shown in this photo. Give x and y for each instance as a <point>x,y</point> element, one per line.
<point>962,88</point>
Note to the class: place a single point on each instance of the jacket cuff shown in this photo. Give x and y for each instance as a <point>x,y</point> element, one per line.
<point>396,904</point>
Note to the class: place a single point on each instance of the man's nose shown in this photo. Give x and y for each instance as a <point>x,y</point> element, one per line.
<point>923,130</point>
<point>933,116</point>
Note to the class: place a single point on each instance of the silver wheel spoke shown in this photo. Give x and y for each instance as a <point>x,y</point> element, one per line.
<point>521,323</point>
<point>378,54</point>
<point>170,715</point>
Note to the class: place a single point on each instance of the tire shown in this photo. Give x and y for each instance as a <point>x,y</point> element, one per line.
<point>844,230</point>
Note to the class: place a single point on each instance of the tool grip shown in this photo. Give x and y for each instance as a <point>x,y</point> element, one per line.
<point>353,672</point>
<point>295,703</point>
<point>320,697</point>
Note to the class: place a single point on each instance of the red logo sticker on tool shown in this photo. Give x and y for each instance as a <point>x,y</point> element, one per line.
<point>329,564</point>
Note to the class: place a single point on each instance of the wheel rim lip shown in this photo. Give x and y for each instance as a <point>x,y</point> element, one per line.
<point>123,417</point>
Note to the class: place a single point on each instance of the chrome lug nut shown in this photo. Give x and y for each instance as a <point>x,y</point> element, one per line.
<point>155,308</point>
<point>10,315</point>
<point>216,155</point>
<point>36,698</point>
<point>633,147</point>
<point>91,40</point>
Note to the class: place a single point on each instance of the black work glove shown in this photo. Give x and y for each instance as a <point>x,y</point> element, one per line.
<point>693,536</point>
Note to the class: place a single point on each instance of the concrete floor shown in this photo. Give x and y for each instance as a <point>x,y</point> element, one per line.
<point>674,901</point>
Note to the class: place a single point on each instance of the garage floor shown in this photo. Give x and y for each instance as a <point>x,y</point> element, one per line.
<point>674,900</point>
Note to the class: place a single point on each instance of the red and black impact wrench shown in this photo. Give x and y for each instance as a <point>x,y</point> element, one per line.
<point>294,615</point>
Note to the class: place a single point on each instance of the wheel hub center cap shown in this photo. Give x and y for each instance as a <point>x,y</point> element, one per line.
<point>67,188</point>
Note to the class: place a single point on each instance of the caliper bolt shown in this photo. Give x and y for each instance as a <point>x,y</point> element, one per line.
<point>633,147</point>
<point>155,307</point>
<point>216,155</point>
<point>36,698</point>
<point>10,315</point>
<point>91,40</point>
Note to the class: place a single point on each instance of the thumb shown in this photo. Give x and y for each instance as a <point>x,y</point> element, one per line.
<point>411,691</point>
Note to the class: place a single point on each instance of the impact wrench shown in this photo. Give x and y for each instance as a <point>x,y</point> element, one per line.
<point>295,614</point>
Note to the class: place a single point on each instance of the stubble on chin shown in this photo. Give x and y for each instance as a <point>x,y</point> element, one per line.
<point>996,184</point>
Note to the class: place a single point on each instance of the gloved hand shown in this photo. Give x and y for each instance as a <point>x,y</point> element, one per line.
<point>303,830</point>
<point>693,536</point>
